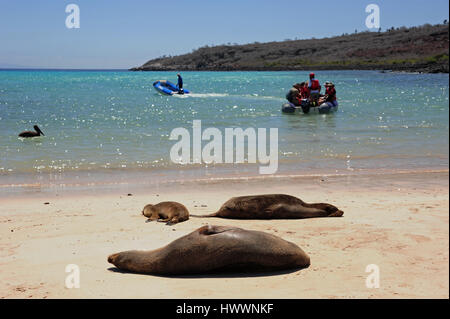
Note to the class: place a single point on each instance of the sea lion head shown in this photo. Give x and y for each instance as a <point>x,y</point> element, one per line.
<point>112,258</point>
<point>147,210</point>
<point>125,259</point>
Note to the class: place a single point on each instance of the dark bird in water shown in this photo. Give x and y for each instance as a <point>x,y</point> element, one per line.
<point>32,133</point>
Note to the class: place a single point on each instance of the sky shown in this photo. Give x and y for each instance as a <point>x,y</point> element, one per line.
<point>122,34</point>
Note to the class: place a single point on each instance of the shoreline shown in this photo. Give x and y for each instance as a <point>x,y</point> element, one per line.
<point>313,67</point>
<point>381,70</point>
<point>15,185</point>
<point>399,222</point>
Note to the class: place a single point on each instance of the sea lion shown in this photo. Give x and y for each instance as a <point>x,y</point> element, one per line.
<point>35,133</point>
<point>215,249</point>
<point>168,212</point>
<point>273,206</point>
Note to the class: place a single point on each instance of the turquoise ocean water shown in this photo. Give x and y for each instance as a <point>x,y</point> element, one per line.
<point>106,123</point>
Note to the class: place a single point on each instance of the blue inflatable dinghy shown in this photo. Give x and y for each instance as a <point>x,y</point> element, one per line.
<point>168,88</point>
<point>307,108</point>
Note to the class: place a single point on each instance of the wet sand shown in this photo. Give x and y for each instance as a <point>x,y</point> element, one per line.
<point>399,222</point>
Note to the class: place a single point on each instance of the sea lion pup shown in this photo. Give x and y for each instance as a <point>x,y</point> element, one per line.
<point>273,206</point>
<point>167,212</point>
<point>215,249</point>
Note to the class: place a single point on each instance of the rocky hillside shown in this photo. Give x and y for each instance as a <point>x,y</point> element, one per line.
<point>420,49</point>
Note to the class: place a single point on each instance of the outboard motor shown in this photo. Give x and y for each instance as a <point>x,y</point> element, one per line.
<point>305,105</point>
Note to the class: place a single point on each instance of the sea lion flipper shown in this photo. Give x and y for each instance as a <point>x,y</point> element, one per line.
<point>174,220</point>
<point>338,213</point>
<point>213,230</point>
<point>163,220</point>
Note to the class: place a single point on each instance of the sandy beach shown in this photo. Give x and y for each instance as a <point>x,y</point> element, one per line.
<point>399,222</point>
<point>107,107</point>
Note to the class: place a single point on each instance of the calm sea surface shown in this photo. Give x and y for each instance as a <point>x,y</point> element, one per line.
<point>114,121</point>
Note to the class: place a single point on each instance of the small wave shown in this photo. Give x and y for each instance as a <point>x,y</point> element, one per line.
<point>215,95</point>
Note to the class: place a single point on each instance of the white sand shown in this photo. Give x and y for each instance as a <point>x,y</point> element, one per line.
<point>398,222</point>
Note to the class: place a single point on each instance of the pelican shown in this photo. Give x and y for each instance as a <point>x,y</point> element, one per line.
<point>32,133</point>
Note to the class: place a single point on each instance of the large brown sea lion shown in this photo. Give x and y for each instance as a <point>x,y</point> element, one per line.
<point>168,212</point>
<point>214,249</point>
<point>273,206</point>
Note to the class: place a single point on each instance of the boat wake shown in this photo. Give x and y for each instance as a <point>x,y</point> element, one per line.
<point>201,95</point>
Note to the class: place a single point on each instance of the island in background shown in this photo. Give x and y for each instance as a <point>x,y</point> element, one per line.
<point>416,49</point>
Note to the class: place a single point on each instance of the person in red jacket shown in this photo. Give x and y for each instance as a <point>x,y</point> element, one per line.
<point>330,95</point>
<point>304,91</point>
<point>313,85</point>
<point>314,88</point>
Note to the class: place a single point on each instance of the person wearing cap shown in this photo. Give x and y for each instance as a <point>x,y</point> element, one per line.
<point>314,88</point>
<point>180,84</point>
<point>330,95</point>
<point>313,84</point>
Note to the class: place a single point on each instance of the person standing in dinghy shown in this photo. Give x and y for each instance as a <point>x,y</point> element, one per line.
<point>314,89</point>
<point>180,84</point>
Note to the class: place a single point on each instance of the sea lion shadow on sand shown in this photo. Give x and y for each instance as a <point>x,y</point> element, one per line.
<point>210,251</point>
<point>214,274</point>
<point>273,206</point>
